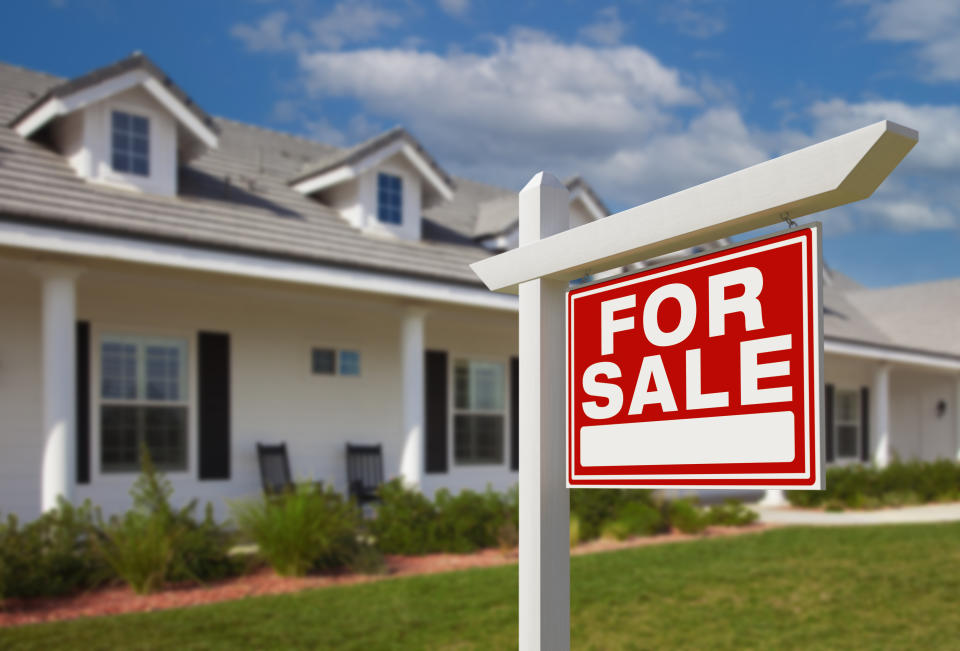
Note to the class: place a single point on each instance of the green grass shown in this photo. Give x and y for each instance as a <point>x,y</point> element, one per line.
<point>872,587</point>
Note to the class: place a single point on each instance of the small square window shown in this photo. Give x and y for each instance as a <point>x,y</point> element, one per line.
<point>324,361</point>
<point>389,199</point>
<point>349,362</point>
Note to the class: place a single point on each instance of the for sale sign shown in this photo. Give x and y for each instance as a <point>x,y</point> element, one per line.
<point>700,374</point>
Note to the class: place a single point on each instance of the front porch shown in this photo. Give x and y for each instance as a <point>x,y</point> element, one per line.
<point>313,367</point>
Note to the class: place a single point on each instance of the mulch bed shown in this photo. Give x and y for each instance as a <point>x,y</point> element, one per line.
<point>118,600</point>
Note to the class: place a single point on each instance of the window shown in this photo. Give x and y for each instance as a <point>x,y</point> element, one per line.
<point>847,424</point>
<point>130,144</point>
<point>349,362</point>
<point>478,412</point>
<point>143,401</point>
<point>324,361</point>
<point>389,198</point>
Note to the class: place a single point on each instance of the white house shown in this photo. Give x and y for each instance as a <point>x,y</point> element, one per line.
<point>201,285</point>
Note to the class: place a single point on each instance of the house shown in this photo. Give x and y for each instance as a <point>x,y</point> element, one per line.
<point>198,285</point>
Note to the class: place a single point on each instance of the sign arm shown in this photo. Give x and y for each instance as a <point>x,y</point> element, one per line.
<point>825,175</point>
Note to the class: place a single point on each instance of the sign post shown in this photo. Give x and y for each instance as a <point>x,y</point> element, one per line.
<point>829,174</point>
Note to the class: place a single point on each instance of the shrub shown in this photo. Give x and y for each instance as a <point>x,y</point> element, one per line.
<point>731,513</point>
<point>687,517</point>
<point>863,486</point>
<point>594,507</point>
<point>468,521</point>
<point>575,537</point>
<point>638,519</point>
<point>404,522</point>
<point>154,543</point>
<point>303,530</point>
<point>52,555</point>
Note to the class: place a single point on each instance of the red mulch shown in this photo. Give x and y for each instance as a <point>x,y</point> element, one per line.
<point>117,600</point>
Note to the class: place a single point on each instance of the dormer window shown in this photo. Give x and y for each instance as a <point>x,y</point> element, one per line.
<point>130,143</point>
<point>389,198</point>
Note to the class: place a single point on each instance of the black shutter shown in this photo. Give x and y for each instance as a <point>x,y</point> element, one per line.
<point>213,370</point>
<point>864,424</point>
<point>828,408</point>
<point>435,409</point>
<point>83,402</point>
<point>514,413</point>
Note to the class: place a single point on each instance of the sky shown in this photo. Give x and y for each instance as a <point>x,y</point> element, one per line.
<point>642,98</point>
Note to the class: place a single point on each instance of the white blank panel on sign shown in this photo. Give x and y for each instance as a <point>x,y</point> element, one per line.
<point>742,438</point>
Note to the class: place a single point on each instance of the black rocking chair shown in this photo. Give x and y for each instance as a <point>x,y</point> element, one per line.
<point>274,468</point>
<point>364,472</point>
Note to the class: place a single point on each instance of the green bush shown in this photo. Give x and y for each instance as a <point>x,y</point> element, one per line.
<point>638,519</point>
<point>153,543</point>
<point>863,486</point>
<point>404,521</point>
<point>731,513</point>
<point>52,555</point>
<point>595,507</point>
<point>468,521</point>
<point>575,537</point>
<point>303,530</point>
<point>687,517</point>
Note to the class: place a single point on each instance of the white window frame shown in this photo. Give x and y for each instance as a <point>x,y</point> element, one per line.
<point>857,421</point>
<point>150,143</point>
<point>453,411</point>
<point>104,172</point>
<point>97,333</point>
<point>402,179</point>
<point>337,349</point>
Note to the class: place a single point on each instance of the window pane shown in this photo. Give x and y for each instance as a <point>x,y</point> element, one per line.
<point>478,439</point>
<point>461,384</point>
<point>138,125</point>
<point>848,406</point>
<point>324,361</point>
<point>389,198</point>
<point>140,166</point>
<point>847,440</point>
<point>486,390</point>
<point>121,162</point>
<point>140,146</point>
<point>119,447</point>
<point>118,370</point>
<point>121,121</point>
<point>164,367</point>
<point>349,362</point>
<point>165,433</point>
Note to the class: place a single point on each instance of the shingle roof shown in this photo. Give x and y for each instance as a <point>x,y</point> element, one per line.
<point>359,152</point>
<point>920,316</point>
<point>136,61</point>
<point>234,197</point>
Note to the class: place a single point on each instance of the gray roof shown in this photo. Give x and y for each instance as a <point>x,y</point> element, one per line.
<point>136,61</point>
<point>358,152</point>
<point>922,316</point>
<point>235,197</point>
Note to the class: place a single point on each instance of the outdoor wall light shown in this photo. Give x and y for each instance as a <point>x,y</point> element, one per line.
<point>941,408</point>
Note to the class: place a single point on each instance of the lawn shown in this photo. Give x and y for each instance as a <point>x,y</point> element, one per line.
<point>869,587</point>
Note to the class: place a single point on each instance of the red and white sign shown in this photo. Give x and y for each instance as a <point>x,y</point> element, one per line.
<point>700,374</point>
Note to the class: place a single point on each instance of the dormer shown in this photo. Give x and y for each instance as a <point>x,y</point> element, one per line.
<point>497,225</point>
<point>381,186</point>
<point>126,125</point>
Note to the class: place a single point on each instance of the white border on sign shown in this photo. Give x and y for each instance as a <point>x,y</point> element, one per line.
<point>808,322</point>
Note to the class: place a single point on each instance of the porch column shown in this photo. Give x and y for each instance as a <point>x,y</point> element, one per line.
<point>881,415</point>
<point>58,470</point>
<point>411,359</point>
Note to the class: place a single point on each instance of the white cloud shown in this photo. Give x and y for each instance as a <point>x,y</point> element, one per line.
<point>933,26</point>
<point>695,18</point>
<point>454,7</point>
<point>608,28</point>
<point>350,21</point>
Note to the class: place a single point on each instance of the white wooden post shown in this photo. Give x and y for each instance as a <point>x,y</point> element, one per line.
<point>411,354</point>
<point>881,415</point>
<point>544,501</point>
<point>58,469</point>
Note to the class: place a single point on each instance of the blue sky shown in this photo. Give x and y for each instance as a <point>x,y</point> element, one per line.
<point>643,98</point>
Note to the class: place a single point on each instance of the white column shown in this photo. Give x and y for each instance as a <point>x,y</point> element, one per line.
<point>774,497</point>
<point>58,472</point>
<point>880,436</point>
<point>544,501</point>
<point>411,360</point>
